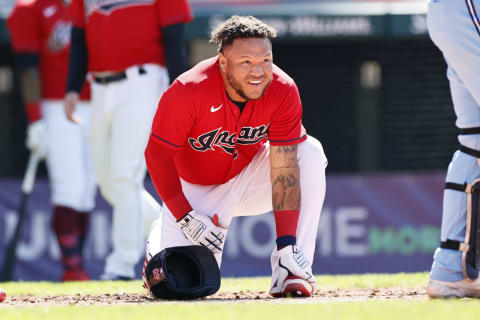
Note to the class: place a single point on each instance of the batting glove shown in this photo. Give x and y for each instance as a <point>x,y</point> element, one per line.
<point>201,230</point>
<point>37,139</point>
<point>292,264</point>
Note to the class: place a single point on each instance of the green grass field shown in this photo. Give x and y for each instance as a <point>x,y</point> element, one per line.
<point>298,309</point>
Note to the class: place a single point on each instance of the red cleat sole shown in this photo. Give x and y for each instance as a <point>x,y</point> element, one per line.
<point>296,287</point>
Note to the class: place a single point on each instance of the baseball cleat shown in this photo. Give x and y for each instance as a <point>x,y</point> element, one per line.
<point>454,289</point>
<point>293,287</point>
<point>276,292</point>
<point>296,287</point>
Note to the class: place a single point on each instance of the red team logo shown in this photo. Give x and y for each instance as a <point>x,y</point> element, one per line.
<point>59,37</point>
<point>157,274</point>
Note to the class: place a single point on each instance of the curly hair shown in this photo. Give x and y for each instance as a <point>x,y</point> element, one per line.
<point>240,27</point>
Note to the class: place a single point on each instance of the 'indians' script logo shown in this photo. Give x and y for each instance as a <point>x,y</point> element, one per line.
<point>59,37</point>
<point>107,6</point>
<point>226,140</point>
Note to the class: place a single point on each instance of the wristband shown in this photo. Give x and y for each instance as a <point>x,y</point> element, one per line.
<point>286,224</point>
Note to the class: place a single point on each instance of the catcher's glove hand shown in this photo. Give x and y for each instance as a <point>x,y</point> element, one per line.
<point>201,230</point>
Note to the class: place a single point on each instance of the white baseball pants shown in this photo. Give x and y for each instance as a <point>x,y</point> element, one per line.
<point>122,115</point>
<point>250,193</point>
<point>69,160</point>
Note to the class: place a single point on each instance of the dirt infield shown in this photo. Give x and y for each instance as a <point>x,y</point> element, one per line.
<point>323,296</point>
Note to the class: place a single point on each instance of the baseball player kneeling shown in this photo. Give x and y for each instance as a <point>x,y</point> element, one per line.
<point>227,140</point>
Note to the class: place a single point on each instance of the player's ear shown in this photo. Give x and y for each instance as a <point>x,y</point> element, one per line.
<point>222,60</point>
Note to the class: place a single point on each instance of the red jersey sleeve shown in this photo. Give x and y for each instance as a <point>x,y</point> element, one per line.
<point>174,117</point>
<point>77,13</point>
<point>23,25</point>
<point>286,124</point>
<point>173,11</point>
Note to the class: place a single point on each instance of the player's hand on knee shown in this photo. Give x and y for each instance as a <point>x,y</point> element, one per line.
<point>36,140</point>
<point>293,264</point>
<point>201,230</point>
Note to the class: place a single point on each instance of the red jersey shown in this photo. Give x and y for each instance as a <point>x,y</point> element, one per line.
<point>42,27</point>
<point>215,140</point>
<point>123,33</point>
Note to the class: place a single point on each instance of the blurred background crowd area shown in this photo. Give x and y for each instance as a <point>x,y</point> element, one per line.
<point>372,83</point>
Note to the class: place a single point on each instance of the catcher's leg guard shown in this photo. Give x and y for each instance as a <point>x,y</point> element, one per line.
<point>470,248</point>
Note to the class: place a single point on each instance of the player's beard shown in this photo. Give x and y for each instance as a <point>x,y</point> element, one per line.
<point>238,88</point>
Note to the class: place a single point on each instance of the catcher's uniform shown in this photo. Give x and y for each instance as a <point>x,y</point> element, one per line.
<point>222,154</point>
<point>459,41</point>
<point>42,27</point>
<point>127,65</point>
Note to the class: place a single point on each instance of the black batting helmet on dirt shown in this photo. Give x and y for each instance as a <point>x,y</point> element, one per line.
<point>182,273</point>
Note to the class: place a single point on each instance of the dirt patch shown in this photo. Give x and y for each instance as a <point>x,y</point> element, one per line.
<point>323,296</point>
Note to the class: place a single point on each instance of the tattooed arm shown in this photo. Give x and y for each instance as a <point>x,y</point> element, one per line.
<point>285,176</point>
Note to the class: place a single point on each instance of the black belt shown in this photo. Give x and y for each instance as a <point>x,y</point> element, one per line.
<point>116,77</point>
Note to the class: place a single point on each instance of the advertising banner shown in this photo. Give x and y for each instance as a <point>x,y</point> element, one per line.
<point>380,223</point>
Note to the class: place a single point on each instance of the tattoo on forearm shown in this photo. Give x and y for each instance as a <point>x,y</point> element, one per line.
<point>286,193</point>
<point>285,175</point>
<point>285,157</point>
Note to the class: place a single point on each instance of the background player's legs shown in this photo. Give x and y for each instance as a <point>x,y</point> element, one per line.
<point>72,183</point>
<point>460,44</point>
<point>69,160</point>
<point>131,122</point>
<point>101,120</point>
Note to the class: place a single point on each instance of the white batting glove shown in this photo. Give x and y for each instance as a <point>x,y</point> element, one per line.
<point>36,140</point>
<point>292,263</point>
<point>201,230</point>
